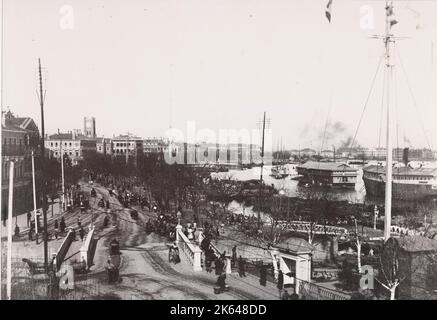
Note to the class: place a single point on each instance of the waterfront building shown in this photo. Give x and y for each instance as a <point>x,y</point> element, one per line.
<point>327,173</point>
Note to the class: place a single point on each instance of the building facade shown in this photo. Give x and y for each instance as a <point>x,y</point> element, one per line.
<point>20,135</point>
<point>75,147</point>
<point>155,146</point>
<point>127,146</point>
<point>104,146</point>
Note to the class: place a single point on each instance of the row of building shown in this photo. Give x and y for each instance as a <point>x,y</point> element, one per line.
<point>75,144</point>
<point>367,153</point>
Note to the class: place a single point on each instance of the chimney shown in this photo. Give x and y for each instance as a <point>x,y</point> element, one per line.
<point>73,134</point>
<point>3,118</point>
<point>405,156</point>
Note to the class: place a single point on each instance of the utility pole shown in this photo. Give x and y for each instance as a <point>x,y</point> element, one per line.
<point>10,208</point>
<point>62,173</point>
<point>261,174</point>
<point>34,192</point>
<point>43,178</point>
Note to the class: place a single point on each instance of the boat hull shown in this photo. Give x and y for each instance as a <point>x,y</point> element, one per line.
<point>400,191</point>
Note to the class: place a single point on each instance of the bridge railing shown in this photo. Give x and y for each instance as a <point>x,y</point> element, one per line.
<point>304,226</point>
<point>191,250</point>
<point>312,291</point>
<point>88,248</point>
<point>63,250</point>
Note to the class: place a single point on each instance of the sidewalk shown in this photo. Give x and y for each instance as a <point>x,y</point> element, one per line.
<point>21,219</point>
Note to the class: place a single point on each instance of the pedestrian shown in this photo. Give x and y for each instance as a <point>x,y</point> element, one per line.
<point>221,282</point>
<point>56,225</point>
<point>234,255</point>
<point>105,221</point>
<point>280,284</point>
<point>56,233</point>
<point>73,232</point>
<point>241,267</point>
<point>62,225</point>
<point>110,271</point>
<point>30,234</point>
<point>81,233</point>
<point>17,231</point>
<point>176,258</point>
<point>79,222</point>
<point>285,295</point>
<point>263,276</point>
<point>29,217</point>
<point>294,295</point>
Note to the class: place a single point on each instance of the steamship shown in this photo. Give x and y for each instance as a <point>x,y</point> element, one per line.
<point>408,183</point>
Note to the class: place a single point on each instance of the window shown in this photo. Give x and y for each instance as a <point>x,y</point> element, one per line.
<point>77,153</point>
<point>70,144</point>
<point>56,144</point>
<point>4,141</point>
<point>71,153</point>
<point>51,144</point>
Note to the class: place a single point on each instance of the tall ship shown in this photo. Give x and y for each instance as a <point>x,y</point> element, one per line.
<point>401,182</point>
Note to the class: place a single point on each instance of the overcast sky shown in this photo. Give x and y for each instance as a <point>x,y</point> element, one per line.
<point>143,65</point>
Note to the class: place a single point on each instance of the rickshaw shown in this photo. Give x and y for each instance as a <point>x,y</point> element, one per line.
<point>134,214</point>
<point>93,193</point>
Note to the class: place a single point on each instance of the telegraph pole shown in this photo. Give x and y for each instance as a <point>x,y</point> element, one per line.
<point>62,174</point>
<point>44,199</point>
<point>9,254</point>
<point>34,191</point>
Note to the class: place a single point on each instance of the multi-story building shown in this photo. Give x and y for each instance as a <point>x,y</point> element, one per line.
<point>70,144</point>
<point>127,145</point>
<point>104,146</point>
<point>20,136</point>
<point>155,145</point>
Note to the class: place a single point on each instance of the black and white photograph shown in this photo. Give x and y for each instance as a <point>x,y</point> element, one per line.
<point>218,150</point>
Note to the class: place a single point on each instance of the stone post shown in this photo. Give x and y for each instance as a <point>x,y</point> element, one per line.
<point>178,229</point>
<point>228,265</point>
<point>197,261</point>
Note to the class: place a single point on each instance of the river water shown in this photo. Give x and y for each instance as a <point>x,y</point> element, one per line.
<point>289,187</point>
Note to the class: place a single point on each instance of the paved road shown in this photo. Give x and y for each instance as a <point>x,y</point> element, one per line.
<point>146,272</point>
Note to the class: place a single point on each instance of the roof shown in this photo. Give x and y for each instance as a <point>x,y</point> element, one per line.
<point>100,140</point>
<point>295,245</point>
<point>417,243</point>
<point>326,166</point>
<point>18,123</point>
<point>126,137</point>
<point>69,136</point>
<point>405,171</point>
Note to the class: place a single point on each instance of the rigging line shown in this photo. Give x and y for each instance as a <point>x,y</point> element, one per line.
<point>395,87</point>
<point>413,97</point>
<point>365,105</point>
<point>382,108</point>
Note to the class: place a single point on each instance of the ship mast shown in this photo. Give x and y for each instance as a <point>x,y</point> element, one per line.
<point>388,40</point>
